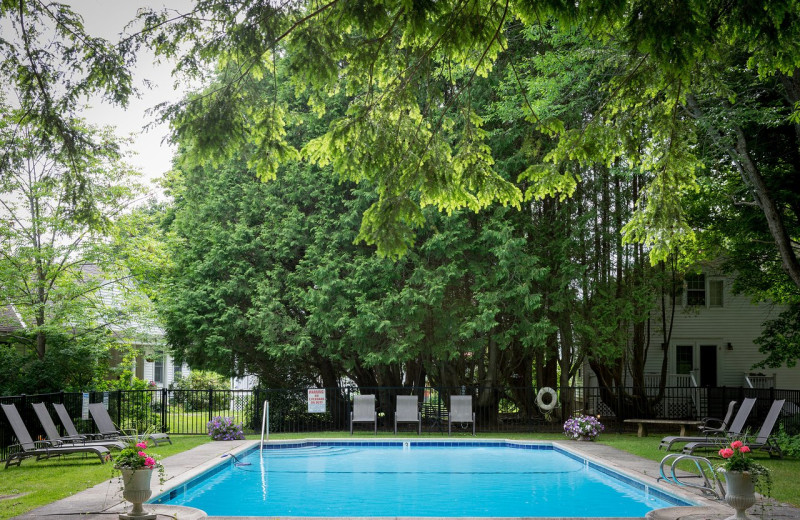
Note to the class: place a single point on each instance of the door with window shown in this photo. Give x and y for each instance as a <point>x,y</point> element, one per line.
<point>703,359</point>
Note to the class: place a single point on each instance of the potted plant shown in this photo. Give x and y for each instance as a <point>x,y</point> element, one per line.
<point>742,476</point>
<point>136,467</point>
<point>583,427</point>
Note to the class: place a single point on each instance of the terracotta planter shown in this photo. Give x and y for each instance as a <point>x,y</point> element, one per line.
<point>740,494</point>
<point>136,489</point>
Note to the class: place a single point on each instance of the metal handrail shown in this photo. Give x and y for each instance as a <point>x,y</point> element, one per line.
<point>704,469</point>
<point>265,423</point>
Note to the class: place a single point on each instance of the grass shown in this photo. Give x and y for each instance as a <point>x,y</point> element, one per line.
<point>39,483</point>
<point>785,487</point>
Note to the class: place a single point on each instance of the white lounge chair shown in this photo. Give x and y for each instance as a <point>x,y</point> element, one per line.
<point>408,412</point>
<point>364,411</point>
<point>460,412</point>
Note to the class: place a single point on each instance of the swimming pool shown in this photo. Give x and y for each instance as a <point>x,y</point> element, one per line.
<point>416,479</point>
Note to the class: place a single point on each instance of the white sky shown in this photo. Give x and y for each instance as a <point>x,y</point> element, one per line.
<point>107,19</point>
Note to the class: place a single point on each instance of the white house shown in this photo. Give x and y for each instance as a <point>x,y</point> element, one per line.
<point>713,338</point>
<point>160,368</point>
<point>134,322</point>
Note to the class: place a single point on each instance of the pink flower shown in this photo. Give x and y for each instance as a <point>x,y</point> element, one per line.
<point>142,445</point>
<point>142,454</point>
<point>726,453</point>
<point>737,444</point>
<point>149,462</point>
<point>744,449</point>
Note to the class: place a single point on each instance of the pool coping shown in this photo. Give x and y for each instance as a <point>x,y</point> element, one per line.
<point>708,508</point>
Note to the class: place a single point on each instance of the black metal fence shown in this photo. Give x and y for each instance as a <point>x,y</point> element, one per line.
<point>497,410</point>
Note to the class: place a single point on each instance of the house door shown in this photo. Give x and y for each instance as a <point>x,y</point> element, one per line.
<point>708,365</point>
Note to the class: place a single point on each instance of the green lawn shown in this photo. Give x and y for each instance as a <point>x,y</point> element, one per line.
<point>39,483</point>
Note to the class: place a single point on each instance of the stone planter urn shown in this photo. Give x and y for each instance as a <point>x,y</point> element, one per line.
<point>136,489</point>
<point>740,494</point>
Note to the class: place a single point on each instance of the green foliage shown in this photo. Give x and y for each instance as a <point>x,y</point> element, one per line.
<point>780,339</point>
<point>71,364</point>
<point>186,391</point>
<point>56,268</point>
<point>50,65</point>
<point>269,278</point>
<point>788,441</point>
<point>670,94</point>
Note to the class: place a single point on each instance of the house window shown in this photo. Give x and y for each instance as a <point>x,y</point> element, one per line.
<point>158,368</point>
<point>177,373</point>
<point>715,293</point>
<point>696,289</point>
<point>683,359</point>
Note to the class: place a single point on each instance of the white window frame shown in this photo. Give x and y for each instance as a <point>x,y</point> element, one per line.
<point>707,281</point>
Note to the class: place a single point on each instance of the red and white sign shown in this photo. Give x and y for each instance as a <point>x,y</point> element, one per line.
<point>316,400</point>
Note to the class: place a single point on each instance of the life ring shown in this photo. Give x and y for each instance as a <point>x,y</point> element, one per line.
<point>553,399</point>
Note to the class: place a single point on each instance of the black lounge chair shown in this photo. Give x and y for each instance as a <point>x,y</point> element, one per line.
<point>72,440</point>
<point>107,429</point>
<point>736,428</point>
<point>27,447</point>
<point>763,440</point>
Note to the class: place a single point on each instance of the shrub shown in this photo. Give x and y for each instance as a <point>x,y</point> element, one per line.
<point>224,429</point>
<point>185,391</point>
<point>789,444</point>
<point>141,410</point>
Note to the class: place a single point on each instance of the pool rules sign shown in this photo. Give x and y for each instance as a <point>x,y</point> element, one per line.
<point>316,400</point>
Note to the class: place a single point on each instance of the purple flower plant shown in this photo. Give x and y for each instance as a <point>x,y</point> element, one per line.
<point>224,429</point>
<point>583,426</point>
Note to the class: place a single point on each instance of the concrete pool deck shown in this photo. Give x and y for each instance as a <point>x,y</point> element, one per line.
<point>104,501</point>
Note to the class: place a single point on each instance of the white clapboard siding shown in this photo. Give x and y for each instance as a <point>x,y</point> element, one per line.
<point>738,322</point>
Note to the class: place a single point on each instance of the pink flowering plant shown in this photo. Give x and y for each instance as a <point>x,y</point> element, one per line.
<point>583,426</point>
<point>735,458</point>
<point>225,429</point>
<point>134,456</point>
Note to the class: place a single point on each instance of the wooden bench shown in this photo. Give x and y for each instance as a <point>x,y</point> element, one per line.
<point>675,422</point>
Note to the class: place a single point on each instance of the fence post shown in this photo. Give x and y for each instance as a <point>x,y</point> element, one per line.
<point>210,404</point>
<point>256,408</point>
<point>119,408</point>
<point>164,404</point>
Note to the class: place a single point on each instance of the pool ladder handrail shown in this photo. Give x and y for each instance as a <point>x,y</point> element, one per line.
<point>264,424</point>
<point>704,468</point>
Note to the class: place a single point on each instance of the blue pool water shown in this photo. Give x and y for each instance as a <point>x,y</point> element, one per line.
<point>334,479</point>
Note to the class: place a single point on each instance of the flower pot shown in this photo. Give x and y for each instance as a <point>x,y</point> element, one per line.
<point>740,494</point>
<point>136,489</point>
<point>585,438</point>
